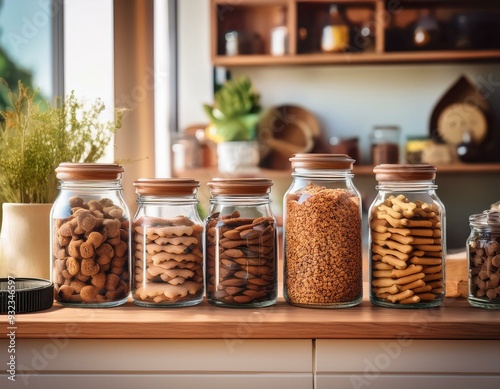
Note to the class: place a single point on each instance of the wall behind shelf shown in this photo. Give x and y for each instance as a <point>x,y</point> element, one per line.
<point>350,100</point>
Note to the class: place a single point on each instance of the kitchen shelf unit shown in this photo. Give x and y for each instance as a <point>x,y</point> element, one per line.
<point>388,20</point>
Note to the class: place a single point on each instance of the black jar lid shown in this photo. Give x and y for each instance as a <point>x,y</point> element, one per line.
<point>29,295</point>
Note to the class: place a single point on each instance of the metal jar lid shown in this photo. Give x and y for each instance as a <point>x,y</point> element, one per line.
<point>27,294</point>
<point>487,219</point>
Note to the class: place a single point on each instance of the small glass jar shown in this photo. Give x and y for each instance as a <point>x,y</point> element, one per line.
<point>322,233</point>
<point>90,236</point>
<point>167,243</point>
<point>385,142</point>
<point>240,242</point>
<point>407,244</point>
<point>483,255</point>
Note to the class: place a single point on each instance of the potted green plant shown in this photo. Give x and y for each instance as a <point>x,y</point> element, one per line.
<point>233,117</point>
<point>35,137</point>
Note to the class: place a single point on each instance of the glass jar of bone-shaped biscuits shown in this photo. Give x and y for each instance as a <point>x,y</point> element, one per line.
<point>406,238</point>
<point>240,242</point>
<point>483,254</point>
<point>167,244</point>
<point>90,236</point>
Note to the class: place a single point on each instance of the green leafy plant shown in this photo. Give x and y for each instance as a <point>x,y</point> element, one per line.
<point>235,111</point>
<point>36,137</point>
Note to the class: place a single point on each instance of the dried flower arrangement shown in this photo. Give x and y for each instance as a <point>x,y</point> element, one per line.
<point>36,137</point>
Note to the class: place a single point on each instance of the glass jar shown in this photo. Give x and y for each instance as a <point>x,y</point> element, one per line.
<point>322,233</point>
<point>240,241</point>
<point>90,236</point>
<point>483,255</point>
<point>407,244</point>
<point>385,142</point>
<point>167,243</point>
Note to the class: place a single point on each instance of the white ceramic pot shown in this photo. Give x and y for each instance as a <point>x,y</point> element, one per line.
<point>238,156</point>
<point>25,240</point>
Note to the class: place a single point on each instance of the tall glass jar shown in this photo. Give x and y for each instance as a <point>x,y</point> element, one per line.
<point>167,245</point>
<point>407,244</point>
<point>322,233</point>
<point>240,241</point>
<point>483,255</point>
<point>90,236</point>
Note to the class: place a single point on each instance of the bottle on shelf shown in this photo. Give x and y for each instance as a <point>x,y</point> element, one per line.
<point>279,36</point>
<point>335,34</point>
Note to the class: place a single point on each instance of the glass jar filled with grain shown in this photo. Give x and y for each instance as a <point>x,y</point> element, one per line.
<point>483,254</point>
<point>322,233</point>
<point>407,242</point>
<point>240,244</point>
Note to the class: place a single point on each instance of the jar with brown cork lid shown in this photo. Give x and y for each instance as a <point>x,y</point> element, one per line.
<point>322,233</point>
<point>167,244</point>
<point>407,240</point>
<point>240,241</point>
<point>483,255</point>
<point>90,236</point>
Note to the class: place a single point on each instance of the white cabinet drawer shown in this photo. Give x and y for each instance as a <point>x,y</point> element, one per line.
<point>384,381</point>
<point>461,364</point>
<point>84,363</point>
<point>177,381</point>
<point>408,356</point>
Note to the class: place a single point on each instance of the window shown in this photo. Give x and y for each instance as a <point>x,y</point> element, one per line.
<point>31,46</point>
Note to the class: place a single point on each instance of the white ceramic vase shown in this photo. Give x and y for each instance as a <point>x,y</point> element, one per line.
<point>25,240</point>
<point>238,156</point>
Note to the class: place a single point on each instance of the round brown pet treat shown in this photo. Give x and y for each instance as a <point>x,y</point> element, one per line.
<point>112,281</point>
<point>86,220</point>
<point>99,280</point>
<point>121,248</point>
<point>65,292</point>
<point>88,294</point>
<point>95,238</point>
<point>66,229</point>
<point>112,227</point>
<point>87,250</point>
<point>75,201</point>
<point>105,249</point>
<point>74,248</point>
<point>89,267</point>
<point>114,212</point>
<point>72,265</point>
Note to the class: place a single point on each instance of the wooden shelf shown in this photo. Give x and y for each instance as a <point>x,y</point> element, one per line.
<point>391,24</point>
<point>455,319</point>
<point>356,58</point>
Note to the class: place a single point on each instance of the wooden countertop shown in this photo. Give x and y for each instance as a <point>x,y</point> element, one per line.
<point>455,319</point>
